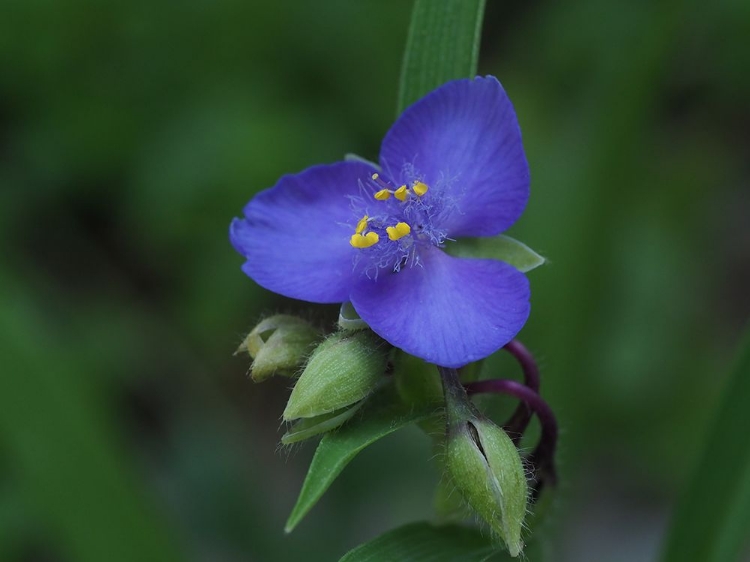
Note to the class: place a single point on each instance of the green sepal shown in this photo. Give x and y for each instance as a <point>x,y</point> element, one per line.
<point>310,427</point>
<point>344,369</point>
<point>486,469</point>
<point>502,247</point>
<point>349,319</point>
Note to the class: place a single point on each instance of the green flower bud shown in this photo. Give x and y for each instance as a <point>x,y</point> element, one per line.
<point>486,468</point>
<point>279,345</point>
<point>343,370</point>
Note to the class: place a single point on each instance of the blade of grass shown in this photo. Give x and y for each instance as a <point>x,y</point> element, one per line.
<point>443,44</point>
<point>64,452</point>
<point>712,519</point>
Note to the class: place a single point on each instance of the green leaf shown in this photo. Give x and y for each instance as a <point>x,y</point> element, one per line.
<point>310,427</point>
<point>503,248</point>
<point>383,414</point>
<point>443,44</point>
<point>423,542</point>
<point>712,520</point>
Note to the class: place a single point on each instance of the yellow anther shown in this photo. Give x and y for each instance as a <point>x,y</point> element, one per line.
<point>361,225</point>
<point>382,195</point>
<point>420,188</point>
<point>401,194</point>
<point>359,241</point>
<point>399,231</point>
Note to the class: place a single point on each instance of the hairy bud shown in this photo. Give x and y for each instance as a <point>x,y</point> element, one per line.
<point>279,345</point>
<point>344,369</point>
<point>486,468</point>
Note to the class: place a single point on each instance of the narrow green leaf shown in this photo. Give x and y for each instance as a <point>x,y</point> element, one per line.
<point>423,542</point>
<point>503,248</point>
<point>310,427</point>
<point>383,414</point>
<point>443,44</point>
<point>712,519</point>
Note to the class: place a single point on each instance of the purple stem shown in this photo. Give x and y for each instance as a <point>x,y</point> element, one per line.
<point>543,457</point>
<point>526,360</point>
<point>519,421</point>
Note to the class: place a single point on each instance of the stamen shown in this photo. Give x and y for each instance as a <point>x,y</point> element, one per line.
<point>420,188</point>
<point>401,193</point>
<point>361,225</point>
<point>369,239</point>
<point>376,178</point>
<point>399,231</point>
<point>383,195</point>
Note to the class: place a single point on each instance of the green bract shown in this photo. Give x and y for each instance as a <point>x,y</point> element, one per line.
<point>343,370</point>
<point>310,427</point>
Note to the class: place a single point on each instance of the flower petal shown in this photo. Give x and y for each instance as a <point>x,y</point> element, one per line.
<point>464,140</point>
<point>451,311</point>
<point>295,235</point>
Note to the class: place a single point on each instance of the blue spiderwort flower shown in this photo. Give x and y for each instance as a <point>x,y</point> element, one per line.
<point>451,166</point>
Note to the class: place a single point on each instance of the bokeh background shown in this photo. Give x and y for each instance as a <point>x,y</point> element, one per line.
<point>132,132</point>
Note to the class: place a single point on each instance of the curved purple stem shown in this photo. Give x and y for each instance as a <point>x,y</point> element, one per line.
<point>526,360</point>
<point>519,421</point>
<point>543,457</point>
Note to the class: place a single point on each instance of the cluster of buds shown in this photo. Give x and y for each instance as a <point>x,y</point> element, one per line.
<point>335,374</point>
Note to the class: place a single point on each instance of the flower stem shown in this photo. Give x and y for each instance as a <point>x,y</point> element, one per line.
<point>519,421</point>
<point>528,364</point>
<point>458,407</point>
<point>543,457</point>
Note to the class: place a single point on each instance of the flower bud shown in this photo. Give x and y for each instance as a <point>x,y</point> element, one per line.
<point>279,345</point>
<point>344,369</point>
<point>486,468</point>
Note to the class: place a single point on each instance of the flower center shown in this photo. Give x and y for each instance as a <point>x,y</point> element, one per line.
<point>396,222</point>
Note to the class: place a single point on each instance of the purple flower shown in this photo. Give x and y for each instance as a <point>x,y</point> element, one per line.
<point>451,166</point>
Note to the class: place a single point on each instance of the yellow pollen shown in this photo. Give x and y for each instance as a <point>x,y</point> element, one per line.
<point>420,188</point>
<point>382,195</point>
<point>361,225</point>
<point>369,239</point>
<point>375,176</point>
<point>401,194</point>
<point>399,231</point>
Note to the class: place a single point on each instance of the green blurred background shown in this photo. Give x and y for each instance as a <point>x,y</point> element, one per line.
<point>132,132</point>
